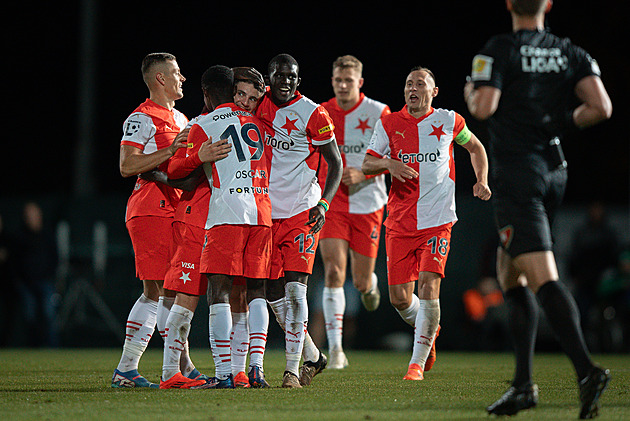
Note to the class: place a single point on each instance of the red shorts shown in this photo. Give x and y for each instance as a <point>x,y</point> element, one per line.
<point>361,231</point>
<point>151,238</point>
<point>408,254</point>
<point>293,246</point>
<point>183,275</point>
<point>237,250</point>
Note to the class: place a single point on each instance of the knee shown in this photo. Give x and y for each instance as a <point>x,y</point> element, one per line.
<point>255,289</point>
<point>274,289</point>
<point>399,299</point>
<point>335,276</point>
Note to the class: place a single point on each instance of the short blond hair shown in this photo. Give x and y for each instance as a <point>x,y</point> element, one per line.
<point>348,62</point>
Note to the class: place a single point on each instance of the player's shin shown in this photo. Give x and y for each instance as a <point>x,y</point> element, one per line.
<point>296,323</point>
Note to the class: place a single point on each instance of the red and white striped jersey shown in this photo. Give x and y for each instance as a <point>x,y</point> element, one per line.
<point>426,145</point>
<point>193,205</point>
<point>294,130</point>
<point>353,130</point>
<point>240,182</point>
<point>152,127</point>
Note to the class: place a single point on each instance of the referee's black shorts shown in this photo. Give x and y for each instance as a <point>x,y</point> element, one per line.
<point>525,201</point>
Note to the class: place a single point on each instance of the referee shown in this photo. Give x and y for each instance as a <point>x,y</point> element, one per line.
<point>533,88</point>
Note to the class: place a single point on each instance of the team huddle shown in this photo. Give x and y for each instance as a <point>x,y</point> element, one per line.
<point>235,203</point>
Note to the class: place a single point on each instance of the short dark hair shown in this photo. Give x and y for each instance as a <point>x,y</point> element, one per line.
<point>528,7</point>
<point>424,69</point>
<point>155,58</point>
<point>218,80</point>
<point>249,75</point>
<point>282,59</point>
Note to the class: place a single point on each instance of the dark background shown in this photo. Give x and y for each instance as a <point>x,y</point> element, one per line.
<point>44,62</point>
<point>67,103</point>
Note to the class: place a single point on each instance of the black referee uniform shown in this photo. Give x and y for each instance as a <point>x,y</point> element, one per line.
<point>536,72</point>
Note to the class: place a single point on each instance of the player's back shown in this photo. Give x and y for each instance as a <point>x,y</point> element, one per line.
<point>239,182</point>
<point>536,72</point>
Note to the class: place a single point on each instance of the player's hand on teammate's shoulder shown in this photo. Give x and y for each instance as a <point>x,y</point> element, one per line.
<point>482,191</point>
<point>210,151</point>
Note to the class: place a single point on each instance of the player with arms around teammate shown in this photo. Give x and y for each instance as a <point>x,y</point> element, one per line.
<point>353,223</point>
<point>149,140</point>
<point>299,131</point>
<point>416,146</point>
<point>239,210</point>
<point>533,87</point>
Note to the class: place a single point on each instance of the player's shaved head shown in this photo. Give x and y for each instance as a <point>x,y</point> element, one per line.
<point>426,70</point>
<point>281,59</point>
<point>151,64</point>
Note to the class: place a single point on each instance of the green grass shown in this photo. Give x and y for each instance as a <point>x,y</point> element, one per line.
<point>75,384</point>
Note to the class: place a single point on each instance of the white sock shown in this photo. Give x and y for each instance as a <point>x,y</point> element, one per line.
<point>140,327</point>
<point>177,329</point>
<point>258,326</point>
<point>239,341</point>
<point>163,309</point>
<point>310,352</point>
<point>427,322</point>
<point>296,323</point>
<point>279,308</point>
<point>221,321</point>
<point>409,314</point>
<point>334,305</point>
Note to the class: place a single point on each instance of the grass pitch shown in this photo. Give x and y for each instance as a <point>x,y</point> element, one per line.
<point>75,384</point>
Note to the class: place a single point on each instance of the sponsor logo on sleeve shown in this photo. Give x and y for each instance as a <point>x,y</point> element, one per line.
<point>325,129</point>
<point>132,127</point>
<point>482,67</point>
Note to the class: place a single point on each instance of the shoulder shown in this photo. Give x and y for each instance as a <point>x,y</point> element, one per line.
<point>373,104</point>
<point>499,44</point>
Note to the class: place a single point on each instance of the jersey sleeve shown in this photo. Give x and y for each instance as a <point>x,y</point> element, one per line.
<point>489,65</point>
<point>138,129</point>
<point>320,127</point>
<point>461,134</point>
<point>586,65</point>
<point>379,143</point>
<point>186,160</point>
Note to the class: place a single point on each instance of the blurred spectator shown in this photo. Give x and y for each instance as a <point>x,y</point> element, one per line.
<point>483,305</point>
<point>595,249</point>
<point>36,259</point>
<point>614,295</point>
<point>9,306</point>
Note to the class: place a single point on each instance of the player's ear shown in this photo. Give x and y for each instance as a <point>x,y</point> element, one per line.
<point>508,5</point>
<point>361,80</point>
<point>159,77</point>
<point>298,82</point>
<point>548,6</point>
<point>435,91</point>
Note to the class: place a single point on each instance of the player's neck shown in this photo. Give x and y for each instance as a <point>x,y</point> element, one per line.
<point>418,112</point>
<point>530,23</point>
<point>348,104</point>
<point>161,99</point>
